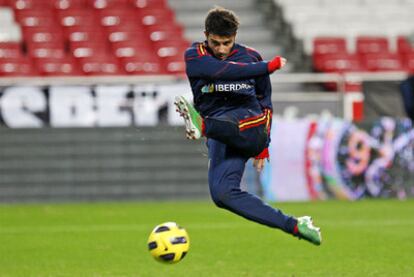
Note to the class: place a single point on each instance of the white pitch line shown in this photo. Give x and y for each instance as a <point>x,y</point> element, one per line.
<point>109,228</point>
<point>145,227</point>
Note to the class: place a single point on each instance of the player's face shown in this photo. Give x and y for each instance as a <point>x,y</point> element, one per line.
<point>220,45</point>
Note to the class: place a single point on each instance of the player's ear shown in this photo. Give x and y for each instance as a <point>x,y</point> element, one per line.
<point>206,34</point>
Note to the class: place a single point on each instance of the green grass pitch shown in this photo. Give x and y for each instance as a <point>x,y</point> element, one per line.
<point>365,238</point>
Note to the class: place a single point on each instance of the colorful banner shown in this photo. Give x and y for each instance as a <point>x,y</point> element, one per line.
<point>333,158</point>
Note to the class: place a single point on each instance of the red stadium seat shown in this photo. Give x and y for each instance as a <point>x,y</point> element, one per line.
<point>127,26</point>
<point>68,4</point>
<point>369,45</point>
<point>164,32</point>
<point>28,4</point>
<point>93,33</point>
<point>142,65</point>
<point>170,48</point>
<point>408,61</point>
<point>171,53</point>
<point>115,17</point>
<point>54,49</point>
<point>404,46</point>
<point>174,65</point>
<point>338,63</point>
<point>108,4</point>
<point>150,17</point>
<point>33,18</point>
<point>81,17</point>
<point>31,21</point>
<point>65,66</point>
<point>100,65</point>
<point>329,45</point>
<point>10,50</point>
<point>79,35</point>
<point>42,34</point>
<point>149,4</point>
<point>17,67</point>
<point>84,49</point>
<point>382,62</point>
<point>128,35</point>
<point>132,48</point>
<point>83,32</point>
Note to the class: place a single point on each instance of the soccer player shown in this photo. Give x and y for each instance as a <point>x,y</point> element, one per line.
<point>233,109</point>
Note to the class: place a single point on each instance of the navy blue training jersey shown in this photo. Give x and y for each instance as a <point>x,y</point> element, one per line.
<point>241,80</point>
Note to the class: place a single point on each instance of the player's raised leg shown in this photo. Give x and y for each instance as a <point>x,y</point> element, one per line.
<point>192,119</point>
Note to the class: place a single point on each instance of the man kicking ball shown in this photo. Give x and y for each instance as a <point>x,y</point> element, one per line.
<point>233,110</point>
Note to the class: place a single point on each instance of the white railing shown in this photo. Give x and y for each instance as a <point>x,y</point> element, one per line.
<point>281,94</point>
<point>339,79</point>
<point>87,81</point>
<point>278,78</point>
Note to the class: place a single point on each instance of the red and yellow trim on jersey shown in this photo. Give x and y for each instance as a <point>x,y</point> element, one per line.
<point>201,50</point>
<point>252,122</point>
<point>268,120</point>
<point>255,121</point>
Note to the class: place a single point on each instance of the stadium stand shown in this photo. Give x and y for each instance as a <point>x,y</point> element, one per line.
<point>89,37</point>
<point>361,27</point>
<point>146,36</point>
<point>353,35</point>
<point>253,32</point>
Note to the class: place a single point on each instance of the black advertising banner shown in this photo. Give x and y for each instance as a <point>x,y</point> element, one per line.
<point>382,99</point>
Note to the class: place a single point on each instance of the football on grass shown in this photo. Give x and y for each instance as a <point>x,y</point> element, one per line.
<point>168,243</point>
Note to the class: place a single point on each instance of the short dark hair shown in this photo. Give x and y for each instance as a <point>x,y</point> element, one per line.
<point>221,22</point>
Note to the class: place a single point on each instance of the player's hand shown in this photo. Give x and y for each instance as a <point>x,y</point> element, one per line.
<point>259,164</point>
<point>276,63</point>
<point>259,160</point>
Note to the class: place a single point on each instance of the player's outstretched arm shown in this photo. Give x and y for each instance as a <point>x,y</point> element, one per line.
<point>201,64</point>
<point>276,63</point>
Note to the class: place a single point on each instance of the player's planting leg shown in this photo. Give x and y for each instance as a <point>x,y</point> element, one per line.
<point>192,119</point>
<point>225,173</point>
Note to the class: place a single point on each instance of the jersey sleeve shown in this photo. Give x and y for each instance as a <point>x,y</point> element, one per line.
<point>263,85</point>
<point>263,92</point>
<point>201,64</point>
<point>264,96</point>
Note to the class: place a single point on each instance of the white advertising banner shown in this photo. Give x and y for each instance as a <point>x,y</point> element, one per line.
<point>288,160</point>
<point>91,106</point>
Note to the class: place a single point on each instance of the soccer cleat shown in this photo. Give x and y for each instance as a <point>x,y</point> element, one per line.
<point>192,119</point>
<point>309,232</point>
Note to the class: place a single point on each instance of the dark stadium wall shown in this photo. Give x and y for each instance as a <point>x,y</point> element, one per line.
<point>382,99</point>
<point>91,164</point>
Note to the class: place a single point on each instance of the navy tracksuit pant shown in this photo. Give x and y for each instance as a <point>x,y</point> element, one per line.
<point>229,148</point>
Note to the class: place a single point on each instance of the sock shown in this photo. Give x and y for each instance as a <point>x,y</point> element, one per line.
<point>295,230</point>
<point>203,127</point>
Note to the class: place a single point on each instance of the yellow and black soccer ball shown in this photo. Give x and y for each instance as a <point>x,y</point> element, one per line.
<point>168,243</point>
